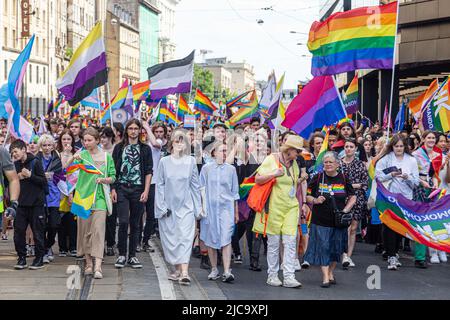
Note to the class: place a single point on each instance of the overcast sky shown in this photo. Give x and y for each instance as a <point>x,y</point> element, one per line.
<point>230,29</point>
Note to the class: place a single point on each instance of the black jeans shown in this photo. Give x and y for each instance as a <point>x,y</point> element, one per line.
<point>391,241</point>
<point>67,231</point>
<point>53,223</point>
<point>150,221</point>
<point>129,210</point>
<point>241,228</point>
<point>35,217</point>
<point>111,226</point>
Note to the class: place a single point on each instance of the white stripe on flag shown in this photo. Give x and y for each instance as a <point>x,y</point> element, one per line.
<point>169,78</point>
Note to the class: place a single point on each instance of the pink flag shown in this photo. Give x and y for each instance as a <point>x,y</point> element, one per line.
<point>386,117</point>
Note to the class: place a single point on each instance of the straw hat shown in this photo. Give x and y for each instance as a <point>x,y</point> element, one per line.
<point>292,141</point>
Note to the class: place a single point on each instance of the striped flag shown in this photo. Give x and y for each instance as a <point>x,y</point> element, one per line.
<point>141,90</point>
<point>203,104</point>
<point>119,99</point>
<point>92,101</point>
<point>171,77</point>
<point>418,104</point>
<point>87,69</point>
<point>350,97</point>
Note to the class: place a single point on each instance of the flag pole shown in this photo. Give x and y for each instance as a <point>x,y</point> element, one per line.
<point>109,100</point>
<point>393,69</point>
<point>178,106</point>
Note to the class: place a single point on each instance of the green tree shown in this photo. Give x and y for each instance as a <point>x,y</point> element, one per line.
<point>203,80</point>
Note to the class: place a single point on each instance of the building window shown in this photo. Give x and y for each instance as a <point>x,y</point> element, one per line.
<point>6,70</point>
<point>5,36</point>
<point>14,38</point>
<point>37,74</point>
<point>43,76</point>
<point>44,47</point>
<point>30,103</point>
<point>31,74</point>
<point>15,8</point>
<point>43,19</point>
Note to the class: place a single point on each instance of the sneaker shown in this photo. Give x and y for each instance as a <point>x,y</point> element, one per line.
<point>38,263</point>
<point>110,251</point>
<point>392,265</point>
<point>21,263</point>
<point>442,256</point>
<point>254,266</point>
<point>50,255</point>
<point>204,263</point>
<point>98,274</point>
<point>148,248</point>
<point>227,277</point>
<point>62,254</point>
<point>134,263</point>
<point>397,262</point>
<point>297,266</point>
<point>345,261</point>
<point>434,258</point>
<point>45,259</point>
<point>4,236</point>
<point>274,281</point>
<point>291,283</point>
<point>305,265</point>
<point>351,263</point>
<point>214,275</point>
<point>138,249</point>
<point>73,253</point>
<point>238,259</point>
<point>120,262</point>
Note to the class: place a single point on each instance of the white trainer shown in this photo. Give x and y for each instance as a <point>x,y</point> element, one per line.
<point>291,283</point>
<point>297,266</point>
<point>442,256</point>
<point>214,275</point>
<point>274,281</point>
<point>434,258</point>
<point>345,261</point>
<point>351,263</point>
<point>392,265</point>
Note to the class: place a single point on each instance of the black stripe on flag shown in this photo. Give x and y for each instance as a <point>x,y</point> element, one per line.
<point>100,79</point>
<point>152,71</point>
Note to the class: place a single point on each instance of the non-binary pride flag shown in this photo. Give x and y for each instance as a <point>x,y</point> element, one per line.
<point>171,77</point>
<point>361,38</point>
<point>426,223</point>
<point>203,104</point>
<point>317,105</point>
<point>87,69</point>
<point>350,98</point>
<point>436,115</point>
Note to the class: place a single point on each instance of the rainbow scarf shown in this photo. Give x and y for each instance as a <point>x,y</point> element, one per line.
<point>85,167</point>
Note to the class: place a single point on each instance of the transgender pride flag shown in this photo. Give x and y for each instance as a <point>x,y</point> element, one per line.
<point>15,78</point>
<point>318,105</point>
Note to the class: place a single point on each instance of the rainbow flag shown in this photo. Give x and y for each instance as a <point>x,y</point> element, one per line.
<point>85,167</point>
<point>105,114</point>
<point>168,116</point>
<point>242,115</point>
<point>425,223</point>
<point>436,115</point>
<point>75,111</point>
<point>237,99</point>
<point>318,166</point>
<point>141,90</point>
<point>421,101</point>
<point>203,104</point>
<point>371,174</point>
<point>119,99</point>
<point>59,101</point>
<point>350,97</point>
<point>183,106</point>
<point>317,105</point>
<point>350,40</point>
<point>246,186</point>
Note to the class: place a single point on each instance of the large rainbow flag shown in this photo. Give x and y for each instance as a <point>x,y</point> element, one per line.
<point>317,105</point>
<point>203,104</point>
<point>361,38</point>
<point>350,97</point>
<point>436,115</point>
<point>425,223</point>
<point>87,69</point>
<point>119,99</point>
<point>141,91</point>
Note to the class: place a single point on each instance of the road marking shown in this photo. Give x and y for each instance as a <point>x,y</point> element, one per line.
<point>165,285</point>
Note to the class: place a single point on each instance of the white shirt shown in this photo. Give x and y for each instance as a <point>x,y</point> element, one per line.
<point>156,156</point>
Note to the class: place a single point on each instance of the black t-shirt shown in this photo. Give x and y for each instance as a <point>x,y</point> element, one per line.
<point>322,214</point>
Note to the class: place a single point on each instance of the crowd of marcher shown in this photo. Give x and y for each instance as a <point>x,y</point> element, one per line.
<point>182,185</point>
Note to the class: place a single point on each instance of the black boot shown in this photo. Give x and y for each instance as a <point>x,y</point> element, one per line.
<point>205,264</point>
<point>38,263</point>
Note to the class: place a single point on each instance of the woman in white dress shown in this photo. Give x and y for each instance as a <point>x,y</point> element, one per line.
<point>177,204</point>
<point>222,192</point>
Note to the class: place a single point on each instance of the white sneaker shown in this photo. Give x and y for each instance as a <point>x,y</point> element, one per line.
<point>291,283</point>
<point>434,259</point>
<point>274,281</point>
<point>351,264</point>
<point>392,265</point>
<point>397,262</point>
<point>45,259</point>
<point>305,264</point>
<point>297,266</point>
<point>214,275</point>
<point>442,256</point>
<point>345,261</point>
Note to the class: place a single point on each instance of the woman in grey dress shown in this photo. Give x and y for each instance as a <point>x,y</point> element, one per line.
<point>177,204</point>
